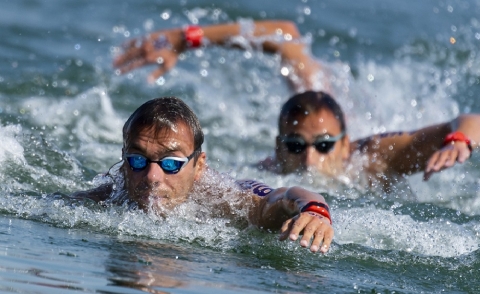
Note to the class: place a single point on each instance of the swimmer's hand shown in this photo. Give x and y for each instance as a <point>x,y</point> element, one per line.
<point>310,225</point>
<point>446,157</point>
<point>160,48</point>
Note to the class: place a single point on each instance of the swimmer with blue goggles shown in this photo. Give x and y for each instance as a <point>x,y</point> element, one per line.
<point>170,165</point>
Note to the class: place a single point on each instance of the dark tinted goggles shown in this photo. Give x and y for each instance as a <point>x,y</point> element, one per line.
<point>169,165</point>
<point>324,144</point>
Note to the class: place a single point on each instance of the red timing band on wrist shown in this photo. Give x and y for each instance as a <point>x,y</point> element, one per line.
<point>458,136</point>
<point>319,208</point>
<point>193,36</point>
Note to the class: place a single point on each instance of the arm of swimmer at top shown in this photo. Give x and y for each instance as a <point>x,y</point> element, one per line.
<point>149,50</point>
<point>424,149</point>
<point>295,211</point>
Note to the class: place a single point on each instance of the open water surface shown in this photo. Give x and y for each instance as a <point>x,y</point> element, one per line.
<point>398,66</point>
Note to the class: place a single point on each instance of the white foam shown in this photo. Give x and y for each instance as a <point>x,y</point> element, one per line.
<point>381,229</point>
<point>11,148</point>
<point>89,115</point>
<point>396,97</point>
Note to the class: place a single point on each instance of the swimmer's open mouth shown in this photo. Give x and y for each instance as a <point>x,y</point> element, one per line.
<point>144,192</point>
<point>152,197</point>
<point>146,197</point>
<point>154,202</point>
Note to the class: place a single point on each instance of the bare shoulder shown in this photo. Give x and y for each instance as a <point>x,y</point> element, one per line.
<point>369,151</point>
<point>376,143</point>
<point>269,164</point>
<point>383,154</point>
<point>364,145</point>
<point>100,193</point>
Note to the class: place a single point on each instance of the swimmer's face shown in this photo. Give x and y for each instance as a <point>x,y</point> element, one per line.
<point>310,128</point>
<point>152,186</point>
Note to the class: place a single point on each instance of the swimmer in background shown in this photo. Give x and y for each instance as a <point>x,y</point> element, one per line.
<point>163,163</point>
<point>313,136</point>
<point>312,131</point>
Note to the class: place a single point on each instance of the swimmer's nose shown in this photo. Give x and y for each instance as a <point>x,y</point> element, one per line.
<point>154,173</point>
<point>311,156</point>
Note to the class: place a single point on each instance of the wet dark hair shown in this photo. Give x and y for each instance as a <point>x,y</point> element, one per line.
<point>163,114</point>
<point>301,105</point>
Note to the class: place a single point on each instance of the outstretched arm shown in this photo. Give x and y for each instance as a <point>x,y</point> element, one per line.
<point>295,211</point>
<point>430,149</point>
<point>97,194</point>
<point>163,47</point>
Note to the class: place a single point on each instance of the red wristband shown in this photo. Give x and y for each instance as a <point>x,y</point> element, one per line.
<point>458,136</point>
<point>319,208</point>
<point>193,36</point>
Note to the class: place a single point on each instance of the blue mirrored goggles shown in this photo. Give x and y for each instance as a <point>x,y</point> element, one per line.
<point>324,144</point>
<point>170,164</point>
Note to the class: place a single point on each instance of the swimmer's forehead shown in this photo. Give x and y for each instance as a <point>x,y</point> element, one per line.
<point>172,137</point>
<point>298,120</point>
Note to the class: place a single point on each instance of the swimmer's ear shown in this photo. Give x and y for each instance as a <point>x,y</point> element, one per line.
<point>345,147</point>
<point>200,166</point>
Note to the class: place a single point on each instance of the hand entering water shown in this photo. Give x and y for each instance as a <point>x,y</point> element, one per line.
<point>316,230</point>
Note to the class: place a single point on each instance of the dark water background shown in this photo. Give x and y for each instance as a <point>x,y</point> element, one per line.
<point>399,66</point>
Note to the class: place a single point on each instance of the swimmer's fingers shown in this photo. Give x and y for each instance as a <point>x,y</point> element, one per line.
<point>317,228</point>
<point>434,163</point>
<point>133,50</point>
<point>165,59</point>
<point>132,64</point>
<point>446,157</point>
<point>311,225</point>
<point>166,62</point>
<point>323,235</point>
<point>160,48</point>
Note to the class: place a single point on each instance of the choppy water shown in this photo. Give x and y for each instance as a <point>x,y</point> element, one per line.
<point>399,65</point>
